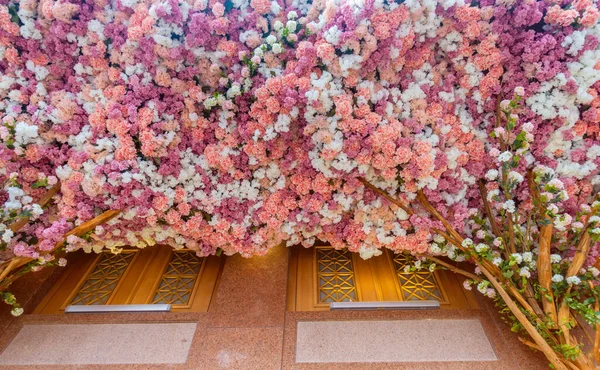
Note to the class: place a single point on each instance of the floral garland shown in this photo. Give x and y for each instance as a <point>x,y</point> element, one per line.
<point>235,126</point>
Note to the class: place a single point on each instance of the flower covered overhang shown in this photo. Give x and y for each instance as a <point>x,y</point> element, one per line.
<point>239,125</point>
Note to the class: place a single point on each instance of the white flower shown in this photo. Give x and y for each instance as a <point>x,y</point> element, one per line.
<point>517,257</point>
<point>492,194</point>
<point>277,25</point>
<point>368,252</point>
<point>17,311</point>
<point>271,39</point>
<point>595,231</point>
<point>467,243</point>
<point>527,257</point>
<point>491,175</point>
<point>556,184</point>
<point>481,248</point>
<point>561,222</point>
<point>515,176</point>
<point>418,265</point>
<point>467,285</point>
<point>577,225</point>
<point>7,236</point>
<point>62,262</point>
<point>291,26</point>
<point>555,258</point>
<point>25,134</point>
<point>509,206</point>
<point>481,287</point>
<point>573,280</point>
<point>432,267</point>
<point>292,15</point>
<point>557,278</point>
<point>259,52</point>
<point>36,210</point>
<point>525,272</point>
<point>595,272</point>
<point>593,220</point>
<point>505,157</point>
<point>435,249</point>
<point>277,48</point>
<point>497,261</point>
<point>553,208</point>
<point>210,102</point>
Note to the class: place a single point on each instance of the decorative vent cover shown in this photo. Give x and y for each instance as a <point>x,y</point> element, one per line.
<point>178,281</point>
<point>102,281</point>
<point>335,276</point>
<point>415,286</point>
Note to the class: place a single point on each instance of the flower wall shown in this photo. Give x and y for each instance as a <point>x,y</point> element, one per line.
<point>239,125</point>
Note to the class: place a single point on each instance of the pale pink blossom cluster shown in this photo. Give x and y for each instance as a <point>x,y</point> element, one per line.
<point>238,126</point>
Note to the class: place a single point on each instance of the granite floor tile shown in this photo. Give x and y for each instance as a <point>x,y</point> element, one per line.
<point>252,291</point>
<point>242,349</point>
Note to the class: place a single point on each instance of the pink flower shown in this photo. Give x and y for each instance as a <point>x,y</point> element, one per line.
<point>261,6</point>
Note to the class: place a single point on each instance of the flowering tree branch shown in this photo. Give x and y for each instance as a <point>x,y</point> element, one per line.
<point>19,265</point>
<point>44,200</point>
<point>385,195</point>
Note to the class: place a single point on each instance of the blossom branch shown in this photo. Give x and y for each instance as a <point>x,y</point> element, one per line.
<point>531,330</point>
<point>19,262</point>
<point>17,225</point>
<point>455,269</point>
<point>393,200</point>
<point>488,209</point>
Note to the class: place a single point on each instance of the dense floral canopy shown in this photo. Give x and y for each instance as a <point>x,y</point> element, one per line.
<point>239,125</point>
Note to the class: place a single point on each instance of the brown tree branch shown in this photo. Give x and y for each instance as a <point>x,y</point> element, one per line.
<point>17,225</point>
<point>455,269</point>
<point>544,268</point>
<point>531,330</point>
<point>488,209</point>
<point>596,349</point>
<point>393,200</point>
<point>18,263</point>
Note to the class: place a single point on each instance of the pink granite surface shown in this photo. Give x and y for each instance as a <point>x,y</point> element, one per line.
<point>518,357</point>
<point>152,343</point>
<point>392,341</point>
<point>242,348</point>
<point>252,291</point>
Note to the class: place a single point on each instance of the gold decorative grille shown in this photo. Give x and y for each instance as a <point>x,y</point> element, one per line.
<point>102,281</point>
<point>335,276</point>
<point>178,280</point>
<point>416,286</point>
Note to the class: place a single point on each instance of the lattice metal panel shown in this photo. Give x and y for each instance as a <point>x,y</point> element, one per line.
<point>416,286</point>
<point>335,275</point>
<point>178,281</point>
<point>102,281</point>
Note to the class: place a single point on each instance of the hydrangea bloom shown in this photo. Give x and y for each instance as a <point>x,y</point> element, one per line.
<point>239,125</point>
